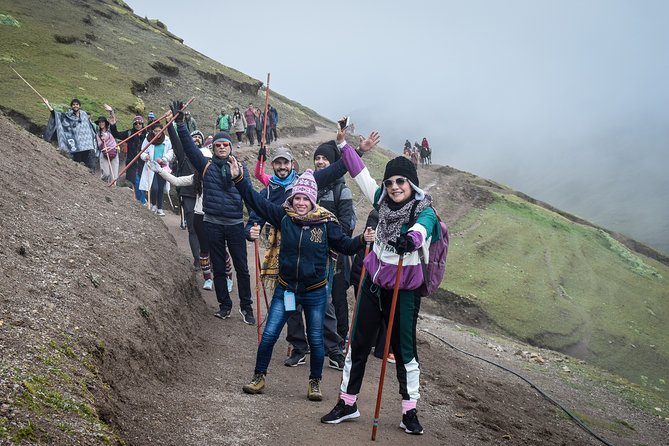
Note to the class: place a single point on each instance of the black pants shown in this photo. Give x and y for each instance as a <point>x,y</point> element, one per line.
<point>158,191</point>
<point>233,237</point>
<point>202,237</point>
<point>339,298</point>
<point>86,157</point>
<point>188,205</point>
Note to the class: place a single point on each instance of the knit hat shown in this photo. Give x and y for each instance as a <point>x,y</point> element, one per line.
<point>282,152</point>
<point>138,119</point>
<point>329,150</point>
<point>151,115</point>
<point>402,167</point>
<point>305,184</point>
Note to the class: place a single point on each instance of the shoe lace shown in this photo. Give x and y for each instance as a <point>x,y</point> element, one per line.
<point>315,385</point>
<point>257,378</point>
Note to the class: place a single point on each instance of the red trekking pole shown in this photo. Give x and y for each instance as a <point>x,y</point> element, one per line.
<point>264,127</point>
<point>386,348</point>
<point>127,166</point>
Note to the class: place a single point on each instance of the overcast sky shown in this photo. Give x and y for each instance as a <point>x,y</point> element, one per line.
<point>567,101</point>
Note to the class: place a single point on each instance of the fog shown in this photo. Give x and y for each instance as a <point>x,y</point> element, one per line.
<point>566,101</point>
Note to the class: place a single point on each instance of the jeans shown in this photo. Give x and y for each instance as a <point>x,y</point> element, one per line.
<point>140,195</point>
<point>233,236</point>
<point>250,134</point>
<point>157,191</point>
<point>313,304</point>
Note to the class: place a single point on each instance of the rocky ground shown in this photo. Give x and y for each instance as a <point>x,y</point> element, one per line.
<point>106,337</point>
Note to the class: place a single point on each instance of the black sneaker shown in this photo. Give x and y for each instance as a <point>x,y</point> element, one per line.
<point>336,361</point>
<point>247,316</point>
<point>222,314</point>
<point>341,412</point>
<point>410,423</point>
<point>296,358</point>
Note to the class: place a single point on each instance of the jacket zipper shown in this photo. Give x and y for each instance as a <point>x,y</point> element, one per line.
<point>299,252</point>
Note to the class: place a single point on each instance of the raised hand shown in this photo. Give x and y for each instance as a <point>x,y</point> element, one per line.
<point>368,143</point>
<point>235,170</point>
<point>176,107</point>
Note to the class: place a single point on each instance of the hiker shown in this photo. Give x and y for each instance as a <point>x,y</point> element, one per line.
<point>75,133</point>
<point>258,128</point>
<point>273,122</point>
<point>191,123</point>
<point>223,217</point>
<point>307,233</point>
<point>426,145</point>
<point>238,125</point>
<point>161,151</point>
<point>250,116</point>
<point>187,193</point>
<point>336,197</point>
<point>222,122</point>
<point>108,150</point>
<point>356,269</point>
<point>396,200</point>
<point>134,146</point>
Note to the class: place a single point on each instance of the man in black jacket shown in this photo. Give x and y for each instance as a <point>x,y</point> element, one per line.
<point>134,146</point>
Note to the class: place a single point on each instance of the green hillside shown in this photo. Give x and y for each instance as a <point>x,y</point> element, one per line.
<point>101,52</point>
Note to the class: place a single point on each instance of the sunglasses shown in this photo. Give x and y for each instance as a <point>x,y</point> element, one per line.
<point>138,122</point>
<point>221,144</point>
<point>400,182</point>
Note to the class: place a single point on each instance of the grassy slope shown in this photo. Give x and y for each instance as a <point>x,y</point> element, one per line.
<point>114,49</point>
<point>555,283</point>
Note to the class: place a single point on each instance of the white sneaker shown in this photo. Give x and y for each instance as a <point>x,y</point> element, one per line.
<point>208,284</point>
<point>230,284</point>
<point>154,208</point>
<point>160,212</point>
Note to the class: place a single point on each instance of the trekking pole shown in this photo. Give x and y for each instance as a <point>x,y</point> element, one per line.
<point>111,171</point>
<point>143,128</point>
<point>33,89</point>
<point>354,319</point>
<point>255,244</point>
<point>127,165</point>
<point>386,348</point>
<point>264,127</point>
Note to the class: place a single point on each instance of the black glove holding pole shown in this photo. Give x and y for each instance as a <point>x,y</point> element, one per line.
<point>262,153</point>
<point>403,244</point>
<point>176,107</point>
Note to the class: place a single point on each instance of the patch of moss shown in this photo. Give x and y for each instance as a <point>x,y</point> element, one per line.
<point>7,20</point>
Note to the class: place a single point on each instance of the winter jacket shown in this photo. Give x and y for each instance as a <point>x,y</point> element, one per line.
<point>250,118</point>
<point>303,264</point>
<point>220,200</point>
<point>106,140</point>
<point>223,122</point>
<point>338,199</point>
<point>239,123</point>
<point>191,123</point>
<point>356,268</point>
<point>147,174</point>
<point>184,166</point>
<point>381,263</point>
<point>134,146</point>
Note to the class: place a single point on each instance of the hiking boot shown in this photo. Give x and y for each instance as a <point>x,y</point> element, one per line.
<point>336,361</point>
<point>208,284</point>
<point>222,314</point>
<point>257,384</point>
<point>230,283</point>
<point>296,358</point>
<point>410,423</point>
<point>247,316</point>
<point>341,412</point>
<point>314,390</point>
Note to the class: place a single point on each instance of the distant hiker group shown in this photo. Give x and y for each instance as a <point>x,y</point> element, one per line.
<point>306,222</point>
<point>419,152</point>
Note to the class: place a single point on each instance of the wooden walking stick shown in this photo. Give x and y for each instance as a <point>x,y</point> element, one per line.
<point>33,89</point>
<point>127,165</point>
<point>386,348</point>
<point>111,171</point>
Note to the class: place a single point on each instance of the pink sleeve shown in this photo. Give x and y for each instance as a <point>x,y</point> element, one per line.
<point>260,174</point>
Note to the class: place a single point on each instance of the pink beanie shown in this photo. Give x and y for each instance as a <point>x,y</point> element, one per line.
<point>305,184</point>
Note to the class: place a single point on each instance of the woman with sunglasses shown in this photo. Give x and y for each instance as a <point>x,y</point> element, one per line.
<point>308,233</point>
<point>407,224</point>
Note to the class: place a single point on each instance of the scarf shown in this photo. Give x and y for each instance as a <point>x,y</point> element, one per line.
<point>393,215</point>
<point>222,164</point>
<point>315,216</point>
<point>286,181</point>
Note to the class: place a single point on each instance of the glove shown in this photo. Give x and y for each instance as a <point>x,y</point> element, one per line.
<point>154,166</point>
<point>262,153</point>
<point>176,111</point>
<point>403,244</point>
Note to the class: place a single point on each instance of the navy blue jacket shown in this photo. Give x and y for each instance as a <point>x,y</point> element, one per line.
<point>218,199</point>
<point>277,194</point>
<point>303,259</point>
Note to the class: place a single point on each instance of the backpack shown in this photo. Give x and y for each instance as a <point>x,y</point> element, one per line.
<point>433,271</point>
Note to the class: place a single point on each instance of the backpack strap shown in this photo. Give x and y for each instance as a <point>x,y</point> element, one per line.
<point>206,167</point>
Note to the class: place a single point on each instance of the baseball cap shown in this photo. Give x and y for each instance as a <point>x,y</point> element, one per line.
<point>282,152</point>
